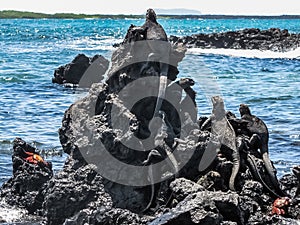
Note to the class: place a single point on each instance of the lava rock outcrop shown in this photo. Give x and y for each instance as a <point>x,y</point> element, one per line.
<point>82,70</point>
<point>30,177</point>
<point>273,39</point>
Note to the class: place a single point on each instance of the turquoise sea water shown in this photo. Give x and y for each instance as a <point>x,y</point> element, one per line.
<point>31,107</point>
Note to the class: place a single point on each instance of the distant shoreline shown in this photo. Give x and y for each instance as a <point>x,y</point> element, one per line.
<point>12,14</point>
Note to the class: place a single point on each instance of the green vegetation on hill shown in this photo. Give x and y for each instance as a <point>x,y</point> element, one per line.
<point>12,14</point>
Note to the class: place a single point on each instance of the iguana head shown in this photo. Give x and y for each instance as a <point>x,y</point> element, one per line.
<point>218,107</point>
<point>186,82</point>
<point>151,15</point>
<point>244,109</point>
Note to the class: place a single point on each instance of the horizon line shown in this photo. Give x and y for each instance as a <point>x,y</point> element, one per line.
<point>159,14</point>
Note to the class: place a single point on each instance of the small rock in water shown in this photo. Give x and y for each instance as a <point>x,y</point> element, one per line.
<point>82,71</point>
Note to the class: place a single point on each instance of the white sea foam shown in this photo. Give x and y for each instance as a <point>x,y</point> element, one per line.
<point>293,54</point>
<point>100,47</point>
<point>84,44</point>
<point>11,214</point>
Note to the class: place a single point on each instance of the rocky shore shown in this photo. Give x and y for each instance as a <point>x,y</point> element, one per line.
<point>135,158</point>
<point>273,39</point>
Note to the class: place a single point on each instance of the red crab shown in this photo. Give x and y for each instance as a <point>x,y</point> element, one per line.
<point>279,205</point>
<point>35,158</point>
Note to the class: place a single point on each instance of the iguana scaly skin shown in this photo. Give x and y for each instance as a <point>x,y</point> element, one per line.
<point>222,134</point>
<point>255,171</point>
<point>161,125</point>
<point>223,129</point>
<point>258,129</point>
<point>154,30</point>
<point>160,52</point>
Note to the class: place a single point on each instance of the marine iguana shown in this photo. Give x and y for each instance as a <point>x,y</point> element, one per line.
<point>258,133</point>
<point>174,93</point>
<point>185,104</point>
<point>222,132</point>
<point>243,146</point>
<point>154,30</point>
<point>160,52</point>
<point>162,127</point>
<point>249,143</point>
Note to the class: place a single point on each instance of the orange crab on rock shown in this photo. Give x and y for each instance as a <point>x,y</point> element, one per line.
<point>35,158</point>
<point>280,205</point>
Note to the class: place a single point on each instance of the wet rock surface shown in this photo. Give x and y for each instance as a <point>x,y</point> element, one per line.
<point>74,190</point>
<point>84,70</point>
<point>29,178</point>
<point>273,39</point>
<point>106,128</point>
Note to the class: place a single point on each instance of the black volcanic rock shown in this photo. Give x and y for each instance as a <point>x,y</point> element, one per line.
<point>204,207</point>
<point>24,189</point>
<point>93,68</point>
<point>88,125</point>
<point>72,190</point>
<point>273,39</point>
<point>87,132</point>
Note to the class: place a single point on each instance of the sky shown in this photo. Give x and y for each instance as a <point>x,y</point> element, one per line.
<point>232,7</point>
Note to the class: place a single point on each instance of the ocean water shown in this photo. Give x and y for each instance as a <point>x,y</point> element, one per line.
<point>31,107</point>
